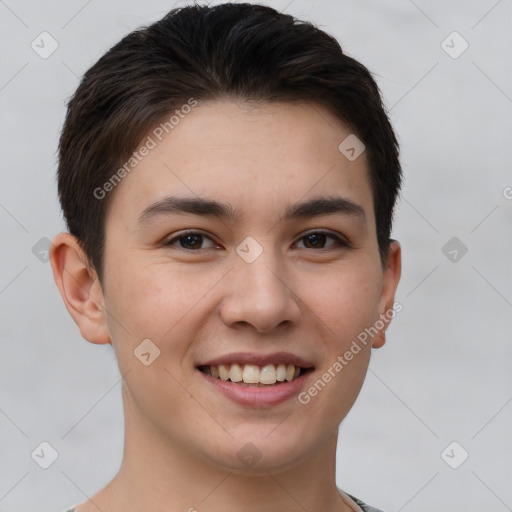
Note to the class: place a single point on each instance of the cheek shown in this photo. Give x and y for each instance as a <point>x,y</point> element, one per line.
<point>346,301</point>
<point>155,301</point>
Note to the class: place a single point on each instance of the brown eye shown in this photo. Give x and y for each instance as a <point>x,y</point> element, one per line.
<point>191,241</point>
<point>318,239</point>
<point>315,240</point>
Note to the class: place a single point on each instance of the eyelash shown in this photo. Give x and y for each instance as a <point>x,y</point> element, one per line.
<point>340,242</point>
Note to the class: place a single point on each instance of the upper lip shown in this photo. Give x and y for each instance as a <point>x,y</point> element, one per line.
<point>258,359</point>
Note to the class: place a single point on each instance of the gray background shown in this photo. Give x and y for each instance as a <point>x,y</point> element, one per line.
<point>445,373</point>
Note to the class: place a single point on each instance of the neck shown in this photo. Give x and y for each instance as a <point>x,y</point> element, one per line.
<point>159,475</point>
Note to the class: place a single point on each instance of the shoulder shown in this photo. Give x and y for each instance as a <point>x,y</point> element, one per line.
<point>364,506</point>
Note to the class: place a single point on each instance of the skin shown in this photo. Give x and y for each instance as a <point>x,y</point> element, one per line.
<point>311,299</point>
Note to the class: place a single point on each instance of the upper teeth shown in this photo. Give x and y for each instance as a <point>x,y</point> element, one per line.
<point>254,374</point>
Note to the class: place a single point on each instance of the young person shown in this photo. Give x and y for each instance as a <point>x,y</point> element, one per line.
<point>228,178</point>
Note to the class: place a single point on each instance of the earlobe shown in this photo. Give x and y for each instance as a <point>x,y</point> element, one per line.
<point>390,279</point>
<point>379,339</point>
<point>79,287</point>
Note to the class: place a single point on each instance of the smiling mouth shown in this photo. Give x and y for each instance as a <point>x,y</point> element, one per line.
<point>254,375</point>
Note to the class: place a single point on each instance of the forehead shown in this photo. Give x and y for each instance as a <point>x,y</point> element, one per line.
<point>259,158</point>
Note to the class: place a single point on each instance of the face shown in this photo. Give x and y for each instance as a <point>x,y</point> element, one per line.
<point>245,237</point>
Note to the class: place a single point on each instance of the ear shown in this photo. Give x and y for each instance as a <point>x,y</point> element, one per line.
<point>80,288</point>
<point>390,279</point>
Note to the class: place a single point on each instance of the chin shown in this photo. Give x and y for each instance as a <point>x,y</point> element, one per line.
<point>261,451</point>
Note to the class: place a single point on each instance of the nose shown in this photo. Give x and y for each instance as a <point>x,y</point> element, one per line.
<point>260,295</point>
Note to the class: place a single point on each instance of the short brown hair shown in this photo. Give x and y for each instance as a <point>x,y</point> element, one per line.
<point>240,51</point>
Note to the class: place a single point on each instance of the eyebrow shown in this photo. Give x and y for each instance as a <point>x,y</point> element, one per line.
<point>211,208</point>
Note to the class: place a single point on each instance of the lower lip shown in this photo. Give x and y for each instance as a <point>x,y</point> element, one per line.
<point>258,396</point>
